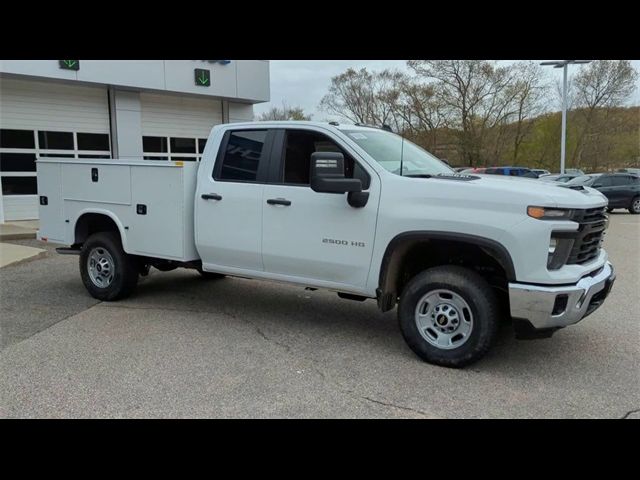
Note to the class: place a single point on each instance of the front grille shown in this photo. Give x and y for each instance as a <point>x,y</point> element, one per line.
<point>590,235</point>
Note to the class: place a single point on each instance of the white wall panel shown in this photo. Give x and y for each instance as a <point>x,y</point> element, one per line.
<point>36,105</point>
<point>179,116</point>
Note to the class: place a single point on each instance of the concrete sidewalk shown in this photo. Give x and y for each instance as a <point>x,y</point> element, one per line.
<point>11,253</point>
<point>18,230</point>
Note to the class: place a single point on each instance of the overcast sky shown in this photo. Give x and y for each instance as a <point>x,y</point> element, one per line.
<point>302,83</point>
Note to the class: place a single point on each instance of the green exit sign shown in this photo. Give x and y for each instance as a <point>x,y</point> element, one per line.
<point>70,64</point>
<point>203,77</point>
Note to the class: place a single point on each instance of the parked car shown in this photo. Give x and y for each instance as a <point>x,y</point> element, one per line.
<point>635,171</point>
<point>539,172</point>
<point>319,206</point>
<point>511,171</point>
<point>469,171</point>
<point>576,171</point>
<point>557,177</point>
<point>584,180</point>
<point>621,189</point>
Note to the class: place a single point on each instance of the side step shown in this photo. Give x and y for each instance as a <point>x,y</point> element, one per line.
<point>351,296</point>
<point>68,251</point>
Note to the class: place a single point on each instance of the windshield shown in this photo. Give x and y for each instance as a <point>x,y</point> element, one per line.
<point>388,149</point>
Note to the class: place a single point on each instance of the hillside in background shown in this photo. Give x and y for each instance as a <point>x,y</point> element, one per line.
<point>610,141</point>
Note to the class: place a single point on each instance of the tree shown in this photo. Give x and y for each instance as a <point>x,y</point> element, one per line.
<point>599,86</point>
<point>284,113</point>
<point>477,95</point>
<point>363,97</point>
<point>530,94</point>
<point>419,111</point>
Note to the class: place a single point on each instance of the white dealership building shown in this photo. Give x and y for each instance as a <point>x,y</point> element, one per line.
<point>126,109</point>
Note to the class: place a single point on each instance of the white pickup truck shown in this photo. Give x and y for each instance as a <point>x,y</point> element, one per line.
<point>352,209</point>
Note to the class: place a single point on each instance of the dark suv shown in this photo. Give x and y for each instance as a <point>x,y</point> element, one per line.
<point>622,190</point>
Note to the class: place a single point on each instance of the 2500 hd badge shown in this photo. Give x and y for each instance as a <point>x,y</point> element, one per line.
<point>343,242</point>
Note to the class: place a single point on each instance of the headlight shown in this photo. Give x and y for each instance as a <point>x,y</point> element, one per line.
<point>547,213</point>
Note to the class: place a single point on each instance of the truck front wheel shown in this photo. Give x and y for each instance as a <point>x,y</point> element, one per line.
<point>107,272</point>
<point>448,316</point>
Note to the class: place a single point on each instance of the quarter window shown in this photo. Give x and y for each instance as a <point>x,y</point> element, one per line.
<point>243,152</point>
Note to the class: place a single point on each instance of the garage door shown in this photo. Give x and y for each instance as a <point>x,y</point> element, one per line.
<point>45,119</point>
<point>176,127</point>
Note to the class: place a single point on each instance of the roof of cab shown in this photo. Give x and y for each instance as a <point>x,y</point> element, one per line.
<point>294,123</point>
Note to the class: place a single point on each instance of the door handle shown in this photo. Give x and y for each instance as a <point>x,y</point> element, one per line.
<point>211,196</point>
<point>279,201</point>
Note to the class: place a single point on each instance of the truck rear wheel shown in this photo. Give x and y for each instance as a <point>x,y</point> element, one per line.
<point>107,272</point>
<point>449,316</point>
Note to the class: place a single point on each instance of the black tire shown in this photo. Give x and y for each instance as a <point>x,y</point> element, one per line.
<point>210,275</point>
<point>125,276</point>
<point>634,208</point>
<point>478,295</point>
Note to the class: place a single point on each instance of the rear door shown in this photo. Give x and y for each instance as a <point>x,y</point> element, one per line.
<point>229,202</point>
<point>314,235</point>
<point>620,191</point>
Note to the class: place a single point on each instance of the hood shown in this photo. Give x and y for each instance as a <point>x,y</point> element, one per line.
<point>550,193</point>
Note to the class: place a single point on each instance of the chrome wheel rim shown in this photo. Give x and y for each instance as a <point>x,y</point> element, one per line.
<point>444,319</point>
<point>636,205</point>
<point>101,267</point>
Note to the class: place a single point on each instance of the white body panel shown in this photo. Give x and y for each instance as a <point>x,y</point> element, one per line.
<point>166,188</point>
<point>317,250</point>
<point>242,235</point>
<point>229,231</point>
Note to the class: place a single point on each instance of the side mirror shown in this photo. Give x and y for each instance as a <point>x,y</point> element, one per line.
<point>326,175</point>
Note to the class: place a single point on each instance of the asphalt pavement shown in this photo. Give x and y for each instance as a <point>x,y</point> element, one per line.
<point>183,346</point>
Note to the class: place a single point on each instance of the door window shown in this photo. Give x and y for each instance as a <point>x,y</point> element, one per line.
<point>620,181</point>
<point>244,151</point>
<point>296,157</point>
<point>603,182</point>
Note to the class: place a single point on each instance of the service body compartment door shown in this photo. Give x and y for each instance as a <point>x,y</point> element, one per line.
<point>157,212</point>
<point>51,206</point>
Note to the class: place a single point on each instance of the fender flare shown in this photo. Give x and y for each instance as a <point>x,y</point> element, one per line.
<point>401,243</point>
<point>106,213</point>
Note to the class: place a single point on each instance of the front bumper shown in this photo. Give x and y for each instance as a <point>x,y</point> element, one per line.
<point>547,308</point>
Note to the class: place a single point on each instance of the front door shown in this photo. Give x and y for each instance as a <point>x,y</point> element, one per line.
<point>229,203</point>
<point>316,235</point>
<point>604,185</point>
